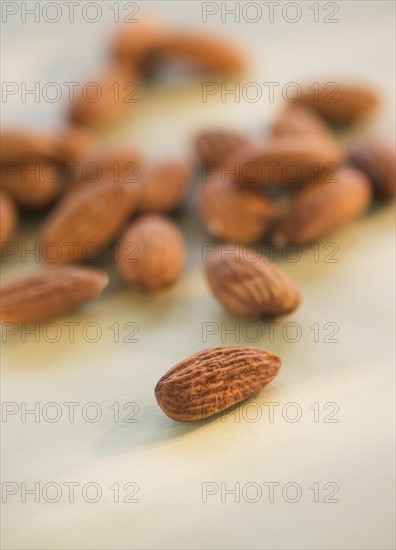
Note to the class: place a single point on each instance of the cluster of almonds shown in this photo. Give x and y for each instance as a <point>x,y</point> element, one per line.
<point>236,204</point>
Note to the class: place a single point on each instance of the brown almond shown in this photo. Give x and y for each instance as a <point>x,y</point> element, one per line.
<point>376,158</point>
<point>103,100</point>
<point>8,218</point>
<point>255,289</point>
<point>203,52</point>
<point>216,145</point>
<point>119,166</point>
<point>298,120</point>
<point>341,103</point>
<point>86,222</point>
<point>34,184</point>
<point>134,44</point>
<point>323,207</point>
<point>235,213</point>
<point>49,293</point>
<point>285,161</point>
<point>151,252</point>
<point>20,146</point>
<point>213,380</point>
<point>162,188</point>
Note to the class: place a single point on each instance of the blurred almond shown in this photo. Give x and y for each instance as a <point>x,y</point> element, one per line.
<point>151,252</point>
<point>85,222</point>
<point>297,120</point>
<point>341,103</point>
<point>162,188</point>
<point>49,293</point>
<point>216,145</point>
<point>134,44</point>
<point>8,218</point>
<point>255,289</point>
<point>376,158</point>
<point>323,207</point>
<point>235,213</point>
<point>286,160</point>
<point>103,100</point>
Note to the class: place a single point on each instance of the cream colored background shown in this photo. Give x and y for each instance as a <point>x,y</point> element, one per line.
<point>170,461</point>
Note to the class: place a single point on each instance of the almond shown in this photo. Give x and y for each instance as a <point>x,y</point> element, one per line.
<point>134,44</point>
<point>19,146</point>
<point>213,380</point>
<point>151,252</point>
<point>105,98</point>
<point>86,222</point>
<point>341,103</point>
<point>50,293</point>
<point>323,207</point>
<point>299,121</point>
<point>8,218</point>
<point>112,165</point>
<point>376,158</point>
<point>34,184</point>
<point>255,289</point>
<point>235,213</point>
<point>286,160</point>
<point>216,145</point>
<point>201,51</point>
<point>162,188</point>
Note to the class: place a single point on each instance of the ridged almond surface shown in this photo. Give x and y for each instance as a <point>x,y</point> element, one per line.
<point>213,380</point>
<point>377,159</point>
<point>235,213</point>
<point>286,160</point>
<point>49,293</point>
<point>216,145</point>
<point>341,103</point>
<point>324,207</point>
<point>103,99</point>
<point>8,218</point>
<point>255,289</point>
<point>163,187</point>
<point>86,221</point>
<point>151,252</point>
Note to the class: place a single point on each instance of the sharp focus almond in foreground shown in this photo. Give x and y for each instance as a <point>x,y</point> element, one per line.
<point>255,289</point>
<point>213,380</point>
<point>324,207</point>
<point>86,222</point>
<point>151,252</point>
<point>49,293</point>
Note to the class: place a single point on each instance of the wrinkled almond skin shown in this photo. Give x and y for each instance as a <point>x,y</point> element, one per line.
<point>106,99</point>
<point>8,218</point>
<point>151,252</point>
<point>235,213</point>
<point>203,52</point>
<point>162,188</point>
<point>254,289</point>
<point>216,145</point>
<point>323,207</point>
<point>49,293</point>
<point>114,165</point>
<point>86,221</point>
<point>298,120</point>
<point>283,161</point>
<point>213,380</point>
<point>341,103</point>
<point>34,184</point>
<point>376,158</point>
